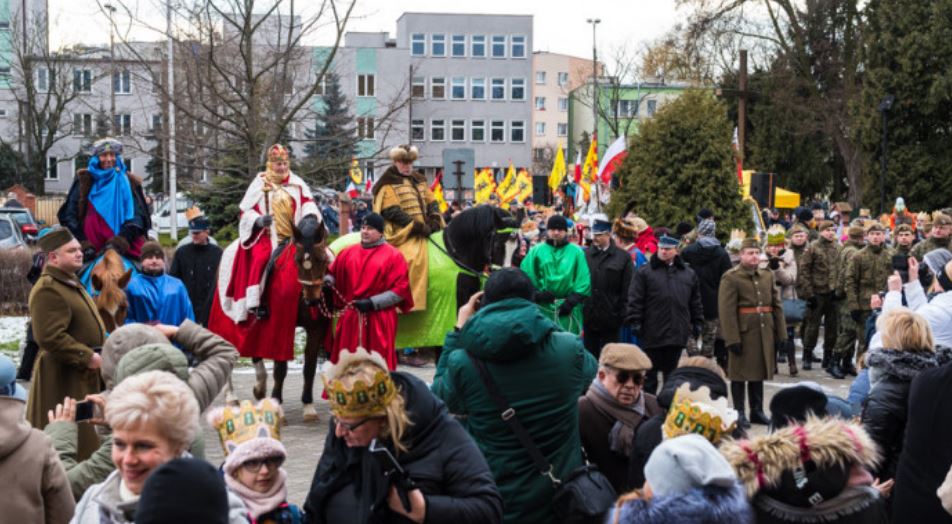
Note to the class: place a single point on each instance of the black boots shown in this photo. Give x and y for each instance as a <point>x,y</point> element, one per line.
<point>827,358</point>
<point>737,393</point>
<point>807,361</point>
<point>835,370</point>
<point>791,351</point>
<point>847,365</point>
<point>755,390</point>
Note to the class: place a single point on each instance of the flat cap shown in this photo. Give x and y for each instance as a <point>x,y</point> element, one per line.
<point>628,357</point>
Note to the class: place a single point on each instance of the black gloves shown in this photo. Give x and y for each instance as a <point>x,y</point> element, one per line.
<point>420,229</point>
<point>130,231</point>
<point>544,297</point>
<point>434,222</point>
<point>735,349</point>
<point>263,221</point>
<point>773,263</point>
<point>364,305</point>
<point>839,294</point>
<point>811,302</point>
<point>856,315</point>
<point>696,330</point>
<point>570,302</point>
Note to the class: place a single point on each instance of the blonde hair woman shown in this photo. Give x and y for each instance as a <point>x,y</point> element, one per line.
<point>397,412</point>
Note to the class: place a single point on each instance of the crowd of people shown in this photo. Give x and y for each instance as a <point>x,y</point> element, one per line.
<point>611,374</point>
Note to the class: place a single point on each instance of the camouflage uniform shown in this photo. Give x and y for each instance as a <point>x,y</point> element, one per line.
<point>816,276</point>
<point>920,249</point>
<point>866,274</point>
<point>846,336</point>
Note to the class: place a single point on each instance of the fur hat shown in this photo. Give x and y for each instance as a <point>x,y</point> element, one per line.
<point>122,341</point>
<point>628,357</point>
<point>404,153</point>
<point>152,249</point>
<point>624,229</point>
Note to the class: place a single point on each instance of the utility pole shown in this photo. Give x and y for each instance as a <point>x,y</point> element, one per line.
<point>173,183</point>
<point>116,129</point>
<point>595,101</point>
<point>742,106</point>
<point>459,182</point>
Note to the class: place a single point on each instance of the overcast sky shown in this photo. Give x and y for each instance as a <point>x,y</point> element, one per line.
<point>559,25</point>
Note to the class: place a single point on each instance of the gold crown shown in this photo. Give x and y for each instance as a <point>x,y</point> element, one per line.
<point>776,235</point>
<point>249,421</point>
<point>192,213</point>
<point>277,153</point>
<point>361,399</point>
<point>696,412</point>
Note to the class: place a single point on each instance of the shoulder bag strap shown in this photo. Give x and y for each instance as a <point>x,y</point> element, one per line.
<point>508,415</point>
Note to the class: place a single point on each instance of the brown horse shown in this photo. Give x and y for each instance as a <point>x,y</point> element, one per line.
<point>109,278</point>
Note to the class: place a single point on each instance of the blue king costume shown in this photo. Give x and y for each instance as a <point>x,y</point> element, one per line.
<point>157,298</point>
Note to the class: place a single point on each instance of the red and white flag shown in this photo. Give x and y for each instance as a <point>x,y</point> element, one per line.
<point>578,166</point>
<point>613,158</point>
<point>352,189</point>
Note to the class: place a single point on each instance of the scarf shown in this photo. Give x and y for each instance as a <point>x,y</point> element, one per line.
<point>111,194</point>
<point>626,417</point>
<point>261,503</point>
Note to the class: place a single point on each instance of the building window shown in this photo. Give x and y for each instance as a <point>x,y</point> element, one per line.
<point>538,154</point>
<point>83,124</point>
<point>5,24</point>
<point>417,130</point>
<point>517,131</point>
<point>437,45</point>
<point>497,131</point>
<point>82,80</point>
<point>563,78</point>
<point>418,89</point>
<point>458,45</point>
<point>458,88</point>
<point>562,129</point>
<point>122,125</point>
<point>121,82</point>
<point>499,46</point>
<point>5,72</point>
<point>365,127</point>
<point>563,103</point>
<point>540,128</point>
<point>156,123</point>
<point>478,46</point>
<point>498,89</point>
<point>517,44</point>
<point>437,130</point>
<point>540,77</point>
<point>517,89</point>
<point>417,44</point>
<point>365,85</point>
<point>457,130</point>
<point>320,86</point>
<point>627,108</point>
<point>52,163</point>
<point>438,88</point>
<point>652,106</point>
<point>477,131</point>
<point>477,87</point>
<point>540,103</point>
<point>44,79</point>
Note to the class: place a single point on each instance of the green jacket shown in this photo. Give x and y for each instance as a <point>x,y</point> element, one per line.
<point>798,252</point>
<point>542,371</point>
<point>850,248</point>
<point>866,275</point>
<point>818,268</point>
<point>920,249</point>
<point>562,271</point>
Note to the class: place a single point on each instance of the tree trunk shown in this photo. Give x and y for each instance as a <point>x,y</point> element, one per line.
<point>853,161</point>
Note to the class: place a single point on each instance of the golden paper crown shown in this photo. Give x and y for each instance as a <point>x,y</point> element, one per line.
<point>776,235</point>
<point>192,213</point>
<point>249,421</point>
<point>361,399</point>
<point>277,153</point>
<point>696,412</point>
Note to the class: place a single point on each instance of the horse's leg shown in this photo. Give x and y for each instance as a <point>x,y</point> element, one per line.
<point>230,398</point>
<point>280,373</point>
<point>311,351</point>
<point>261,379</point>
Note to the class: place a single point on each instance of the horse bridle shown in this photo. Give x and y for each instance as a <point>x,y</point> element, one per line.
<point>489,252</point>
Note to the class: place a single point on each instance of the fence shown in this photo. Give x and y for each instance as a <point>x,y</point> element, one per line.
<point>46,208</point>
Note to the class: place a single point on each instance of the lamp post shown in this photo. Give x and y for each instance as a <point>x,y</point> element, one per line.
<point>116,129</point>
<point>595,101</point>
<point>884,107</point>
<point>173,181</point>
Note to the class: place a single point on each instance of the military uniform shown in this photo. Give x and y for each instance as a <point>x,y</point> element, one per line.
<point>817,279</point>
<point>866,274</point>
<point>920,249</point>
<point>846,336</point>
<point>905,251</point>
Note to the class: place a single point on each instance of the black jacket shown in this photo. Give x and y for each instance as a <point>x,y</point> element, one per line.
<point>709,261</point>
<point>197,267</point>
<point>886,411</point>
<point>611,271</point>
<point>73,211</point>
<point>442,460</point>
<point>665,301</point>
<point>926,455</point>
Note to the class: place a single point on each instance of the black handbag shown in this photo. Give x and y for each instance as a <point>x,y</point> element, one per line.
<point>582,496</point>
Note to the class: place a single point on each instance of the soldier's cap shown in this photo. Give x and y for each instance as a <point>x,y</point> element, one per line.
<point>824,224</point>
<point>797,228</point>
<point>903,228</point>
<point>55,239</point>
<point>667,241</point>
<point>875,226</point>
<point>942,220</point>
<point>628,357</point>
<point>750,243</point>
<point>856,232</point>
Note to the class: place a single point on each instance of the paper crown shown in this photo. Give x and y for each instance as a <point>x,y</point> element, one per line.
<point>696,412</point>
<point>776,235</point>
<point>277,153</point>
<point>192,213</point>
<point>361,399</point>
<point>249,421</point>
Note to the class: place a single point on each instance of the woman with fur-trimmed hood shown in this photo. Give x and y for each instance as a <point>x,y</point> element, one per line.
<point>817,471</point>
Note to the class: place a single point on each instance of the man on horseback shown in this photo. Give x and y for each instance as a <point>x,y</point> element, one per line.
<point>373,278</point>
<point>411,214</point>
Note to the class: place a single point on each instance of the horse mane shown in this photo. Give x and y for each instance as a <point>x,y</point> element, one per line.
<point>467,234</point>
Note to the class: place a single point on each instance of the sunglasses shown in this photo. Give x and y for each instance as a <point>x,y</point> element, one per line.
<point>624,376</point>
<point>353,427</point>
<point>254,465</point>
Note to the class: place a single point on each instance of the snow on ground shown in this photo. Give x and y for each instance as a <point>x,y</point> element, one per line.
<point>12,335</point>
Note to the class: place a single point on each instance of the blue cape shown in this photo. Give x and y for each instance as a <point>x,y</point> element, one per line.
<point>162,299</point>
<point>111,193</point>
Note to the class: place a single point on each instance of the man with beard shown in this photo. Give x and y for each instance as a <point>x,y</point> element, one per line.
<point>559,272</point>
<point>196,265</point>
<point>155,297</point>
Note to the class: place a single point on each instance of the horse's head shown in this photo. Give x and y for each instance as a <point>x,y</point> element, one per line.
<point>310,255</point>
<point>109,279</point>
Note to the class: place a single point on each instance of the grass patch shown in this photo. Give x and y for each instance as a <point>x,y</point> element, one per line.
<point>10,346</point>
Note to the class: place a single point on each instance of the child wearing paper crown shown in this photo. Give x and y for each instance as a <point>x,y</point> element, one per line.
<point>254,454</point>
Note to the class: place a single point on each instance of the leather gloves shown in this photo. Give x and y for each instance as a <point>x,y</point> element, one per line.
<point>735,349</point>
<point>364,305</point>
<point>263,221</point>
<point>420,229</point>
<point>773,263</point>
<point>856,315</point>
<point>566,308</point>
<point>544,297</point>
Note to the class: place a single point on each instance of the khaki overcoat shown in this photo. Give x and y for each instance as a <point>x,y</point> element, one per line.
<point>755,332</point>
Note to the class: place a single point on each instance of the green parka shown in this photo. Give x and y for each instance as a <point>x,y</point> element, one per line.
<point>542,371</point>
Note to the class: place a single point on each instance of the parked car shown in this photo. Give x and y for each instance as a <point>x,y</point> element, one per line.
<point>10,236</point>
<point>161,218</point>
<point>27,225</point>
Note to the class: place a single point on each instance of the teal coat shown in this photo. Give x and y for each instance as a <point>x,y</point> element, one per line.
<point>542,371</point>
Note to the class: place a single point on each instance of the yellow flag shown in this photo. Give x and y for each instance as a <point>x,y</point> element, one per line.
<point>507,184</point>
<point>523,185</point>
<point>590,167</point>
<point>485,185</point>
<point>355,173</point>
<point>558,170</point>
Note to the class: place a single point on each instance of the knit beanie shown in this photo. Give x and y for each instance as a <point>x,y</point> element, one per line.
<point>683,463</point>
<point>706,227</point>
<point>183,490</point>
<point>557,222</point>
<point>937,259</point>
<point>152,249</point>
<point>506,283</point>
<point>256,448</point>
<point>374,220</point>
<point>121,342</point>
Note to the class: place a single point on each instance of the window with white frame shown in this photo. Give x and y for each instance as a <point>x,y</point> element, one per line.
<point>437,45</point>
<point>563,103</point>
<point>122,82</point>
<point>365,85</point>
<point>540,128</point>
<point>458,88</point>
<point>517,46</point>
<point>497,131</point>
<point>540,77</point>
<point>517,89</point>
<point>82,124</point>
<point>458,45</point>
<point>627,108</point>
<point>438,88</point>
<point>437,130</point>
<point>477,46</point>
<point>562,129</point>
<point>477,131</point>
<point>122,124</point>
<point>540,103</point>
<point>52,168</point>
<point>320,86</point>
<point>418,44</point>
<point>82,80</point>
<point>418,129</point>
<point>498,89</point>
<point>457,130</point>
<point>365,127</point>
<point>477,88</point>
<point>418,88</point>
<point>44,79</point>
<point>563,78</point>
<point>498,47</point>
<point>156,123</point>
<point>517,131</point>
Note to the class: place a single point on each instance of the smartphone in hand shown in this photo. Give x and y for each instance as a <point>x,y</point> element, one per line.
<point>84,410</point>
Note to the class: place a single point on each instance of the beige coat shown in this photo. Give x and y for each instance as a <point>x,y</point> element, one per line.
<point>755,332</point>
<point>785,277</point>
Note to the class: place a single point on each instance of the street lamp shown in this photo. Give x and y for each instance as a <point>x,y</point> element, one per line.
<point>884,107</point>
<point>112,69</point>
<point>595,101</point>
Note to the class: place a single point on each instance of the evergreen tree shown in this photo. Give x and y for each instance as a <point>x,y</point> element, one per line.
<point>333,141</point>
<point>10,161</point>
<point>681,161</point>
<point>220,198</point>
<point>155,167</point>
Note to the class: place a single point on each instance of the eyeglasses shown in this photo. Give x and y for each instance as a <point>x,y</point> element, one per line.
<point>624,376</point>
<point>271,463</point>
<point>352,427</point>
